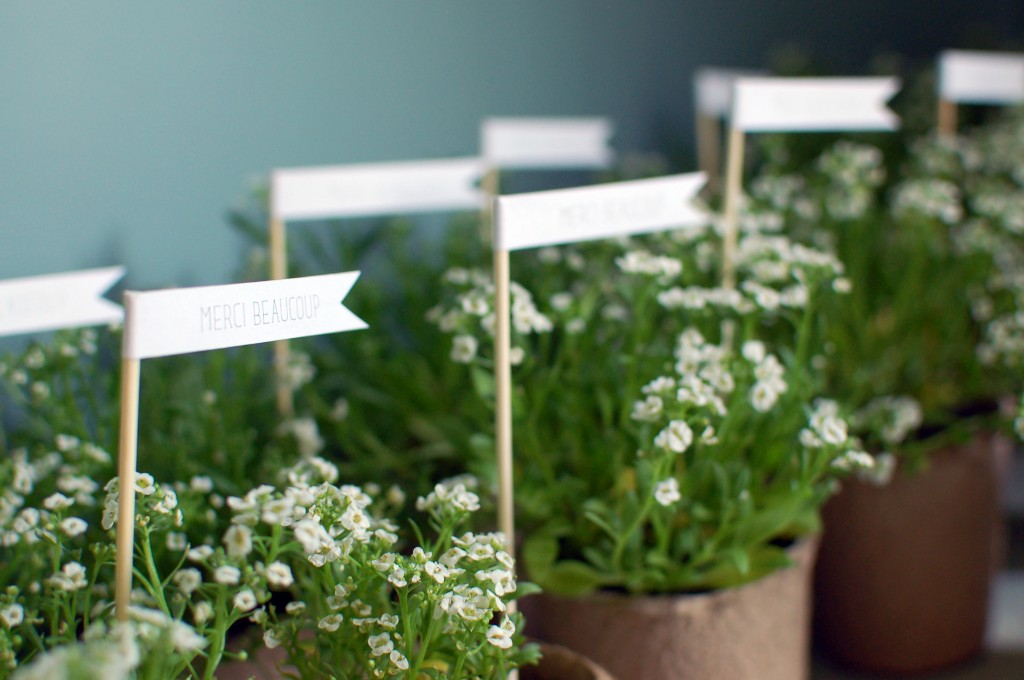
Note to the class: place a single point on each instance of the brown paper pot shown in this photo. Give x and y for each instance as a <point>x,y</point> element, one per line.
<point>903,573</point>
<point>760,631</point>
<point>559,663</point>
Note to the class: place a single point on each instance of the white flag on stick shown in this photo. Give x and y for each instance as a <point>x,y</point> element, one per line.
<point>178,321</point>
<point>376,189</point>
<point>813,104</point>
<point>56,301</point>
<point>586,213</point>
<point>535,143</point>
<point>981,77</point>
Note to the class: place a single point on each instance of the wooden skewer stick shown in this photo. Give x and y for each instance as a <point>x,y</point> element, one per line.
<point>126,472</point>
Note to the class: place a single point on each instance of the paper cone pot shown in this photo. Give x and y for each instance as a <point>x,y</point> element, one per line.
<point>760,631</point>
<point>903,574</point>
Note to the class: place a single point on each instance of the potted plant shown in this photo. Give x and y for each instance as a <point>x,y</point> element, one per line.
<point>664,471</point>
<point>930,247</point>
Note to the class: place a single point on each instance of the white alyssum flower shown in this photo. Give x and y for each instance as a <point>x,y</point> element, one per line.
<point>677,437</point>
<point>57,501</point>
<point>279,575</point>
<point>464,349</point>
<point>649,409</point>
<point>380,644</point>
<point>238,540</point>
<point>666,492</point>
<point>73,526</point>
<point>244,600</point>
<point>200,553</point>
<point>330,623</point>
<point>228,575</point>
<point>188,580</point>
<point>12,615</point>
<point>71,577</point>
<point>501,635</point>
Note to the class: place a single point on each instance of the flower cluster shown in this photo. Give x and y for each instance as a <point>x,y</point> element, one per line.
<point>379,612</point>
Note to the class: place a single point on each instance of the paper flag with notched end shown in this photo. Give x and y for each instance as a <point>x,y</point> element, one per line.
<point>537,143</point>
<point>57,301</point>
<point>371,189</point>
<point>179,321</point>
<point>813,104</point>
<point>581,214</point>
<point>981,77</point>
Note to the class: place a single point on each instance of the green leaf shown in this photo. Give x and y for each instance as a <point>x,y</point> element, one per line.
<point>571,578</point>
<point>483,382</point>
<point>539,553</point>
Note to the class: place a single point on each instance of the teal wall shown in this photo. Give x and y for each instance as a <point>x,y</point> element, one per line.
<point>129,127</point>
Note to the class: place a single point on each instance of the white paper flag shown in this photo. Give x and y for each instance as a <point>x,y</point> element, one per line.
<point>55,301</point>
<point>712,89</point>
<point>178,321</point>
<point>813,104</point>
<point>981,77</point>
<point>376,189</point>
<point>570,215</point>
<point>528,143</point>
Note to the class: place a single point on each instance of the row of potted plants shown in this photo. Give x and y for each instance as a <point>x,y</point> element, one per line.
<point>672,436</point>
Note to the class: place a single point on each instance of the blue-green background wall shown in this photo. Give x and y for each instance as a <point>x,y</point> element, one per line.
<point>128,127</point>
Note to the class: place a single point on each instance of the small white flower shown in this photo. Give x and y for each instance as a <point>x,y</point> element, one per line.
<point>833,430</point>
<point>201,483</point>
<point>144,484</point>
<point>244,600</point>
<point>12,615</point>
<point>676,437</point>
<point>667,492</point>
<point>763,396</point>
<point>200,553</point>
<point>279,575</point>
<point>176,541</point>
<point>754,351</point>
<point>398,660</point>
<point>227,575</point>
<point>238,540</point>
<point>270,639</point>
<point>73,526</point>
<point>501,636</point>
<point>188,580</point>
<point>397,577</point>
<point>202,613</point>
<point>464,348</point>
<point>648,410</point>
<point>380,644</point>
<point>185,638</point>
<point>330,623</point>
<point>57,501</point>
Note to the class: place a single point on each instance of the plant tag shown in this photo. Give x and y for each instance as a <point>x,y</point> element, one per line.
<point>376,189</point>
<point>712,89</point>
<point>56,301</point>
<point>813,104</point>
<point>529,143</point>
<point>981,77</point>
<point>581,214</point>
<point>165,322</point>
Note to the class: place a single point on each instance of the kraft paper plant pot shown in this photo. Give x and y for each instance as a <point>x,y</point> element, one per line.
<point>903,574</point>
<point>559,663</point>
<point>760,631</point>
